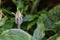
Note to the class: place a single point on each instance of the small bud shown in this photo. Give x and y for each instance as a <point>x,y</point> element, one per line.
<point>19,17</point>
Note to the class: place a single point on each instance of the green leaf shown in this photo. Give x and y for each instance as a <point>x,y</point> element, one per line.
<point>46,21</point>
<point>57,26</point>
<point>55,37</point>
<point>19,4</point>
<point>54,13</point>
<point>1,30</point>
<point>0,38</point>
<point>9,23</point>
<point>30,25</point>
<point>58,38</point>
<point>15,34</point>
<point>2,22</point>
<point>57,23</point>
<point>39,31</point>
<point>29,18</point>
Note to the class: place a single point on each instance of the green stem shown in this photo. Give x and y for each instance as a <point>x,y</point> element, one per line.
<point>18,26</point>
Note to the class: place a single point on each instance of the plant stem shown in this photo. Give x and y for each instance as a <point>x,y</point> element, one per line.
<point>18,26</point>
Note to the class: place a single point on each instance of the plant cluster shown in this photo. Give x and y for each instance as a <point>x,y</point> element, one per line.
<point>28,24</point>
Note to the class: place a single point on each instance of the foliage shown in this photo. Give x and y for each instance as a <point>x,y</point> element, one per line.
<point>37,23</point>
